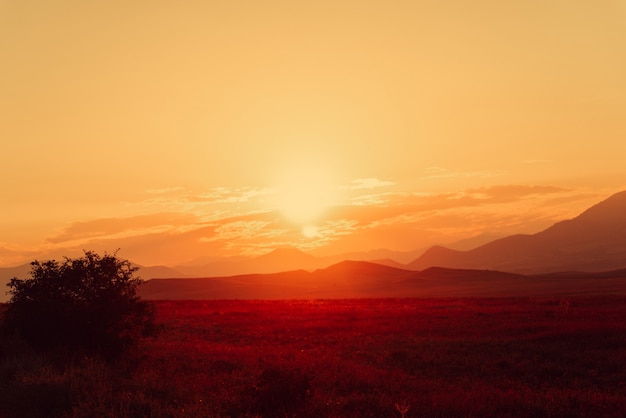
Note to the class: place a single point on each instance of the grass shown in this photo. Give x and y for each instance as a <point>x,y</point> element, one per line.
<point>524,357</point>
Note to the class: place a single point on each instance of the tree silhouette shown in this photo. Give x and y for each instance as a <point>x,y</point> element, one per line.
<point>87,304</point>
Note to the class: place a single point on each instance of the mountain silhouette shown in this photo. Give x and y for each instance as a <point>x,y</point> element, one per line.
<point>593,241</point>
<point>157,272</point>
<point>347,279</point>
<point>286,259</point>
<point>278,260</point>
<point>360,279</point>
<point>556,259</point>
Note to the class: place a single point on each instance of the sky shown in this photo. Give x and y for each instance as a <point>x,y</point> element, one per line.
<point>176,130</point>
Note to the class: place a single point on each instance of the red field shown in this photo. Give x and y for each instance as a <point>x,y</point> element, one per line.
<point>531,357</point>
<point>465,357</point>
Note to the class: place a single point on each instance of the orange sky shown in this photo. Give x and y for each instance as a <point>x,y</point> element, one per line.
<point>175,130</point>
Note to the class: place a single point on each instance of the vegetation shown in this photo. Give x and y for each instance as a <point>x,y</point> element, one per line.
<point>88,304</point>
<point>530,357</point>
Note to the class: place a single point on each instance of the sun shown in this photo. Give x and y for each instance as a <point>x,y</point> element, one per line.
<point>310,231</point>
<point>303,193</point>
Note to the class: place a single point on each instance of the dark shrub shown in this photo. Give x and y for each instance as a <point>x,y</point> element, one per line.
<point>88,304</point>
<point>280,392</point>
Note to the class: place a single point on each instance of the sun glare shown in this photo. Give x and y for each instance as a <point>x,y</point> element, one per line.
<point>303,194</point>
<point>310,231</point>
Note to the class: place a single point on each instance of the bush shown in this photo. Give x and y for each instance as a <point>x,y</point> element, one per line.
<point>87,304</point>
<point>280,392</point>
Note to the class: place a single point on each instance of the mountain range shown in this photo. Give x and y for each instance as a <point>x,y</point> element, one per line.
<point>594,241</point>
<point>286,259</point>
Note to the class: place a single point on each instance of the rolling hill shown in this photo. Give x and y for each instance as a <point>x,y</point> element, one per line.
<point>359,279</point>
<point>286,259</point>
<point>593,241</point>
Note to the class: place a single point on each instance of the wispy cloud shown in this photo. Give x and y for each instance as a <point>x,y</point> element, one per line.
<point>228,195</point>
<point>188,199</point>
<point>119,227</point>
<point>374,199</point>
<point>370,183</point>
<point>444,173</point>
<point>227,221</point>
<point>464,213</point>
<point>512,192</point>
<point>241,229</point>
<point>12,254</point>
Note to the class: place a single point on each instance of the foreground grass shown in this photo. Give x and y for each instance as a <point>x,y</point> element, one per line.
<point>537,357</point>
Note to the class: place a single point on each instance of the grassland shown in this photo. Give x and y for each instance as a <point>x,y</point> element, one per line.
<point>488,357</point>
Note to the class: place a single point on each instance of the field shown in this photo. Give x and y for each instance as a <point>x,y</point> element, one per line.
<point>488,357</point>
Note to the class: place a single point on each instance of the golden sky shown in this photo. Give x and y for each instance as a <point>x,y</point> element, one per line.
<point>177,129</point>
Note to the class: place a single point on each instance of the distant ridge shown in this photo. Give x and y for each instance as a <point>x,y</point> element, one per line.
<point>157,272</point>
<point>277,260</point>
<point>593,241</point>
<point>360,279</point>
<point>362,269</point>
<point>587,253</point>
<point>289,258</point>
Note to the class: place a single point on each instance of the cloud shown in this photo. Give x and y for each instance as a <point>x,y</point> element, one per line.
<point>360,192</point>
<point>512,192</point>
<point>374,199</point>
<point>218,199</point>
<point>115,227</point>
<point>444,173</point>
<point>466,212</point>
<point>370,183</point>
<point>12,255</point>
<point>228,195</point>
<point>241,229</point>
<point>368,211</point>
<point>229,221</point>
<point>408,221</point>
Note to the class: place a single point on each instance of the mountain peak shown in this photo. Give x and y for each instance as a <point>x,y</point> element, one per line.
<point>613,208</point>
<point>363,268</point>
<point>284,259</point>
<point>593,241</point>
